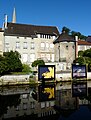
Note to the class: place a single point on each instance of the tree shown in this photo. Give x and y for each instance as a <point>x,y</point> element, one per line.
<point>13,61</point>
<point>80,53</point>
<point>38,62</point>
<point>84,57</point>
<point>73,33</point>
<point>26,68</point>
<point>3,67</point>
<point>67,30</point>
<point>79,60</point>
<point>87,53</point>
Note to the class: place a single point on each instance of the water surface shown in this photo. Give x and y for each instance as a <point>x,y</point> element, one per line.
<point>61,101</point>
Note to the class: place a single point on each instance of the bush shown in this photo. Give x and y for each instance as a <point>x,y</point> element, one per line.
<point>26,68</point>
<point>38,62</point>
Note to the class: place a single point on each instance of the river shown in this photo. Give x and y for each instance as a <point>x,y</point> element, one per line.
<point>56,101</point>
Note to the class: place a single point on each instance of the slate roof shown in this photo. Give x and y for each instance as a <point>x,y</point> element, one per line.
<point>64,37</point>
<point>88,39</point>
<point>15,29</point>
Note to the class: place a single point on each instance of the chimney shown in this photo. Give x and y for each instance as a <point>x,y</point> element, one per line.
<point>76,39</point>
<point>5,21</point>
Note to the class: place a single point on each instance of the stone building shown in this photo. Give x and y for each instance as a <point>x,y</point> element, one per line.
<point>31,41</point>
<point>65,49</point>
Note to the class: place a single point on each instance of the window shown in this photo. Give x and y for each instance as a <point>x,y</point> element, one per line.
<point>73,47</point>
<point>32,57</point>
<point>47,45</point>
<point>24,96</point>
<point>25,37</point>
<point>24,106</point>
<point>66,47</point>
<point>45,36</point>
<point>25,45</point>
<point>52,58</point>
<point>42,104</point>
<point>6,47</point>
<point>52,103</point>
<point>25,57</point>
<point>17,108</point>
<point>32,104</point>
<point>40,36</point>
<point>32,45</point>
<point>48,56</point>
<point>42,45</point>
<point>17,37</point>
<point>42,55</point>
<point>47,104</point>
<point>7,44</point>
<point>51,45</point>
<point>17,44</point>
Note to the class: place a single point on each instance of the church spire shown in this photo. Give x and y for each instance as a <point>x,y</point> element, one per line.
<point>14,16</point>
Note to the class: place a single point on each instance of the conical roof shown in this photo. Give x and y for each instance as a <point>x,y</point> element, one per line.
<point>64,37</point>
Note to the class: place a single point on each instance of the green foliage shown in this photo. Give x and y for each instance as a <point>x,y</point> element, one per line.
<point>84,57</point>
<point>38,62</point>
<point>26,68</point>
<point>73,33</point>
<point>3,67</point>
<point>79,60</point>
<point>87,53</point>
<point>10,62</point>
<point>13,61</point>
<point>67,30</point>
<point>80,53</point>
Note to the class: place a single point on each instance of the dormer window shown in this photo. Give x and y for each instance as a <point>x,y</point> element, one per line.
<point>46,36</point>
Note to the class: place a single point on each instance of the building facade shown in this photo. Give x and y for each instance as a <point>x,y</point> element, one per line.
<point>83,45</point>
<point>65,49</point>
<point>31,41</point>
<point>1,41</point>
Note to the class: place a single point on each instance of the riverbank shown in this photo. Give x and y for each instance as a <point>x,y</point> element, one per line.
<point>64,76</point>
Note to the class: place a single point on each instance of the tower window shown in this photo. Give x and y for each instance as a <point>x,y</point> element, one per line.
<point>66,47</point>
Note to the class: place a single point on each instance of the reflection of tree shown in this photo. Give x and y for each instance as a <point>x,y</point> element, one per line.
<point>8,101</point>
<point>89,98</point>
<point>89,95</point>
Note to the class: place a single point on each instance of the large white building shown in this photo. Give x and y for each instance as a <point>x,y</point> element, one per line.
<point>31,41</point>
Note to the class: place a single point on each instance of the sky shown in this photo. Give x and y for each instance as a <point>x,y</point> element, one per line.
<point>73,14</point>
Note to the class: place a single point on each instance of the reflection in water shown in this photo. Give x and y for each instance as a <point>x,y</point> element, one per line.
<point>26,102</point>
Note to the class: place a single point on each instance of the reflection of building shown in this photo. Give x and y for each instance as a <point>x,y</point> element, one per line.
<point>65,99</point>
<point>28,106</point>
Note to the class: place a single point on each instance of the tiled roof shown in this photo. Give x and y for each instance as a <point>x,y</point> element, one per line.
<point>1,30</point>
<point>64,37</point>
<point>29,30</point>
<point>81,42</point>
